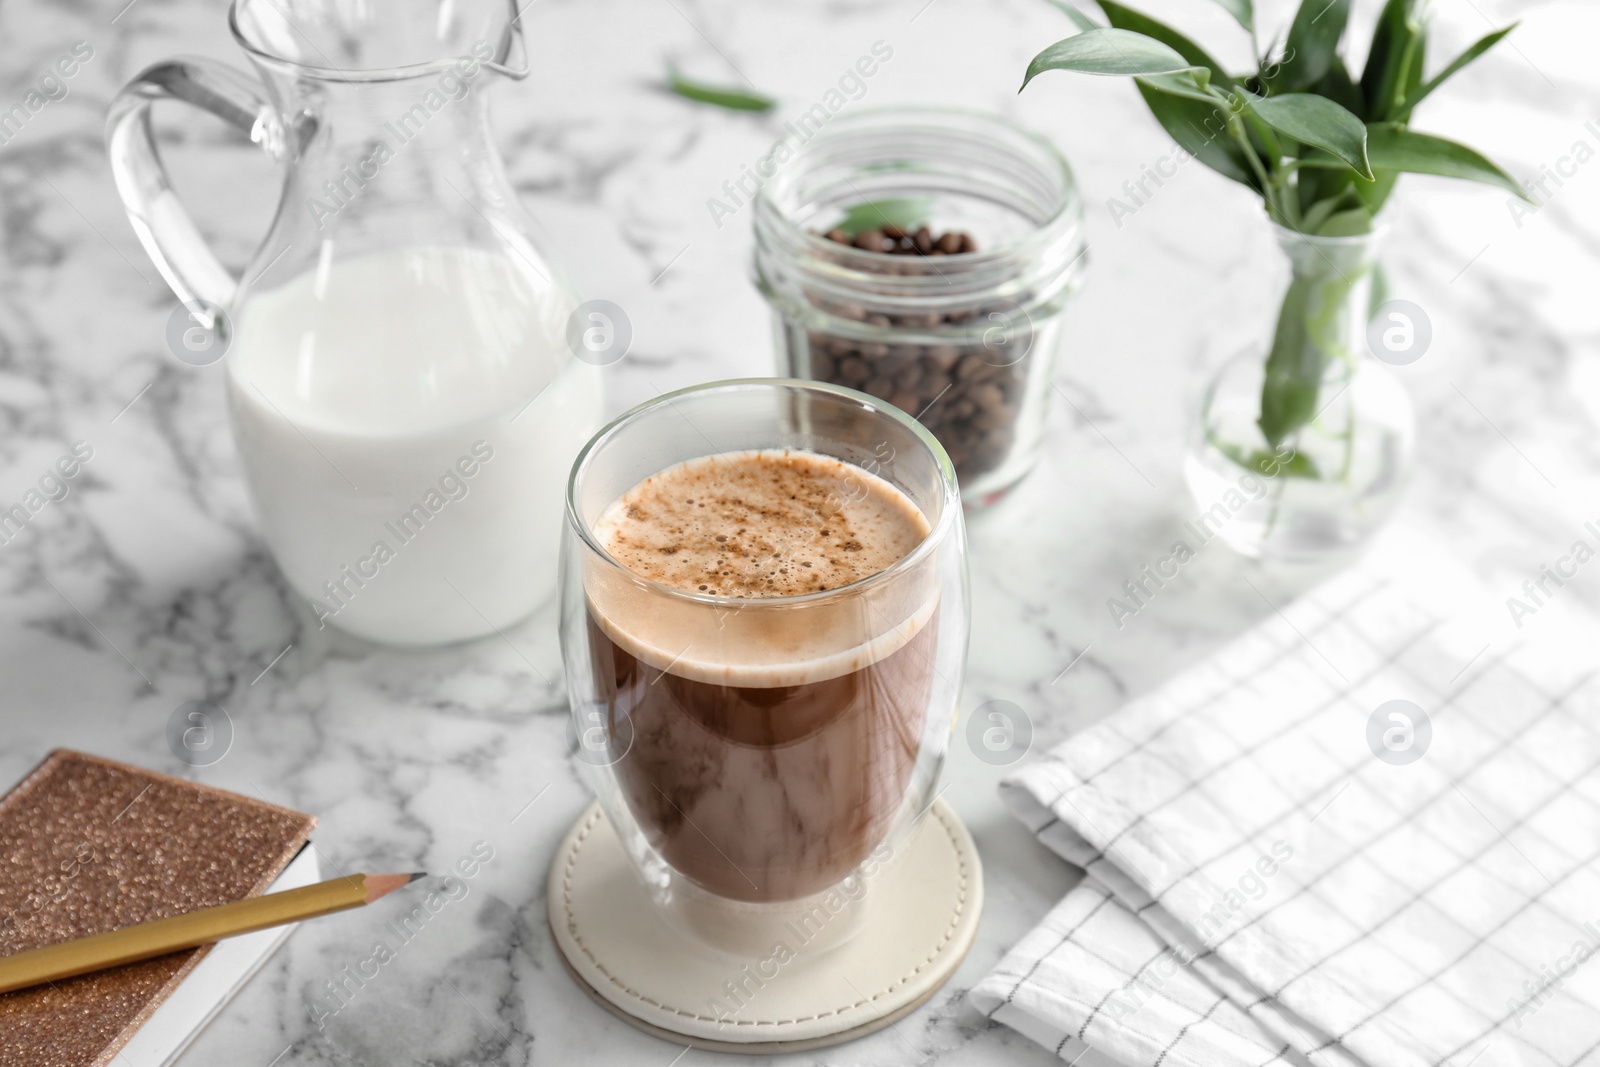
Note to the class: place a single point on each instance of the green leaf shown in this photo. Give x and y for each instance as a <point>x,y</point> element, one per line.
<point>1351,223</point>
<point>1337,86</point>
<point>1300,466</point>
<point>1396,34</point>
<point>906,212</point>
<point>1375,193</point>
<point>1108,51</point>
<point>1415,64</point>
<point>719,96</point>
<point>1124,18</point>
<point>1307,339</point>
<point>1180,85</point>
<point>1318,213</point>
<point>1325,179</point>
<point>1293,372</point>
<point>1271,464</point>
<point>1318,122</point>
<point>1243,12</point>
<point>1483,44</point>
<point>1197,123</point>
<point>1313,44</point>
<point>1079,19</point>
<point>1394,148</point>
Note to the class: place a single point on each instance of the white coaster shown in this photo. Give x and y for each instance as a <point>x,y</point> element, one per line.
<point>923,917</point>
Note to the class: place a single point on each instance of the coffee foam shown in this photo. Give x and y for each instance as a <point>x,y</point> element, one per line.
<point>777,511</point>
<point>761,524</point>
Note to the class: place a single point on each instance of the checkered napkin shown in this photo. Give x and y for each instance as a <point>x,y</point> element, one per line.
<point>1282,871</point>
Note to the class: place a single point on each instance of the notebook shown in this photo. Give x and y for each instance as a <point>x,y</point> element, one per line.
<point>88,845</point>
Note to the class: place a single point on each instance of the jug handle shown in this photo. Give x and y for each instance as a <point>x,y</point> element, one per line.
<point>164,227</point>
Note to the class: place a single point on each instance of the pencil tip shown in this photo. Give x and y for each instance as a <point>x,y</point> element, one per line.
<point>381,885</point>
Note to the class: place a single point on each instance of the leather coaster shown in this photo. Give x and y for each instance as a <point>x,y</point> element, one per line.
<point>923,918</point>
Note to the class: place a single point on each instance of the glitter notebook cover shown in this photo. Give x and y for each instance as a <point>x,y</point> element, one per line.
<point>89,845</point>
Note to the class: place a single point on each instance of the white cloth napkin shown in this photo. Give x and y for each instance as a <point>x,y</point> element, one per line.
<point>1264,888</point>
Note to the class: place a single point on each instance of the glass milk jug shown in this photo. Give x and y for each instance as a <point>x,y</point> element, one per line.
<point>403,395</point>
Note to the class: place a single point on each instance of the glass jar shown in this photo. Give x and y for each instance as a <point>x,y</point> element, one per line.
<point>966,342</point>
<point>1314,462</point>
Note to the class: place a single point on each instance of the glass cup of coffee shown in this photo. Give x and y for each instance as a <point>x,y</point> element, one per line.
<point>764,623</point>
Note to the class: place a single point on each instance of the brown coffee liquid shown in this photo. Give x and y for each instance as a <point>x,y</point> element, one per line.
<point>765,773</point>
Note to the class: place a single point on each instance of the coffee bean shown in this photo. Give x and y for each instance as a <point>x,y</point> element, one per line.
<point>968,402</point>
<point>987,395</point>
<point>870,240</point>
<point>993,418</point>
<point>896,241</point>
<point>969,368</point>
<point>854,370</point>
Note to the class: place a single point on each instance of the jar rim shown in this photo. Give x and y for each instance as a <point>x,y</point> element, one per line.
<point>845,265</point>
<point>939,529</point>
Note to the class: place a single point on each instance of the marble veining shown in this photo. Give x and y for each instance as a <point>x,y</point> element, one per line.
<point>147,585</point>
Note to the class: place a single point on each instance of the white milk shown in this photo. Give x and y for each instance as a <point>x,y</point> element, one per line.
<point>376,405</point>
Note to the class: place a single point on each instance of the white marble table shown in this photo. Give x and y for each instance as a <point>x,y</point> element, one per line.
<point>148,585</point>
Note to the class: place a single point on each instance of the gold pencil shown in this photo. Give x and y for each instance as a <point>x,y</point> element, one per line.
<point>143,941</point>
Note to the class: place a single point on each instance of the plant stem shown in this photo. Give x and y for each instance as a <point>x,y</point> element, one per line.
<point>1264,131</point>
<point>1236,128</point>
<point>1349,437</point>
<point>1281,180</point>
<point>1288,207</point>
<point>1268,190</point>
<point>1402,75</point>
<point>1276,507</point>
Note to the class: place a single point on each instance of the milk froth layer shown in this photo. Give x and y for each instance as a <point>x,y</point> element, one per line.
<point>761,524</point>
<point>751,526</point>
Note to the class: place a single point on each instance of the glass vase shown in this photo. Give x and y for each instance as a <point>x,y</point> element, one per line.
<point>1302,451</point>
